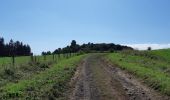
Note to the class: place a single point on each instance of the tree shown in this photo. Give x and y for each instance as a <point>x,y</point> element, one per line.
<point>149,49</point>
<point>14,48</point>
<point>43,53</point>
<point>90,47</point>
<point>2,47</point>
<point>46,53</point>
<point>73,43</point>
<point>73,46</point>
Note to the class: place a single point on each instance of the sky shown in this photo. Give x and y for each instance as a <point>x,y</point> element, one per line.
<point>50,24</point>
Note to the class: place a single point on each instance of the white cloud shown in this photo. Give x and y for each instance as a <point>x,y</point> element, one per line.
<point>145,46</point>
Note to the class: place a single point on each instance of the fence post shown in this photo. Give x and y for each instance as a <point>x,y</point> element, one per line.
<point>70,54</point>
<point>64,55</point>
<point>35,59</point>
<point>44,57</point>
<point>59,55</point>
<point>67,55</point>
<point>32,58</point>
<point>13,60</point>
<point>38,59</point>
<point>53,57</point>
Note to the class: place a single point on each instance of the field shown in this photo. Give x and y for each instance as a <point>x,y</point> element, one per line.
<point>136,75</point>
<point>37,80</point>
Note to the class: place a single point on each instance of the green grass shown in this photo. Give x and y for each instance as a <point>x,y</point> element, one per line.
<point>164,53</point>
<point>25,59</point>
<point>154,72</point>
<point>23,68</point>
<point>50,82</point>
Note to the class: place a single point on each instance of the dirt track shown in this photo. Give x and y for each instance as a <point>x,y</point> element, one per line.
<point>96,79</point>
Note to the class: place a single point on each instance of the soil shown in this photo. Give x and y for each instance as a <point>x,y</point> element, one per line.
<point>97,79</point>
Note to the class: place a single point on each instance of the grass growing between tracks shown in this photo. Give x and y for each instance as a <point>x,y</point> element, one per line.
<point>154,72</point>
<point>50,83</point>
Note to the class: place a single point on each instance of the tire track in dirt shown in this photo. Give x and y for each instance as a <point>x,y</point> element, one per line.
<point>84,88</point>
<point>96,79</point>
<point>134,88</point>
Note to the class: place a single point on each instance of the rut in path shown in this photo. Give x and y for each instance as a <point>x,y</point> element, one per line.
<point>97,80</point>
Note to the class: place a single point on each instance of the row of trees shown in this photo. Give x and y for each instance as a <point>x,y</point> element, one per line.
<point>46,53</point>
<point>90,47</point>
<point>13,48</point>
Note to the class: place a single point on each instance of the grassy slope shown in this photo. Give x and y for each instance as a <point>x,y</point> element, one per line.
<point>154,72</point>
<point>164,53</point>
<point>49,83</point>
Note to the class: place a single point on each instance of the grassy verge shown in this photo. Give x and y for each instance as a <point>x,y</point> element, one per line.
<point>149,70</point>
<point>50,83</point>
<point>163,53</point>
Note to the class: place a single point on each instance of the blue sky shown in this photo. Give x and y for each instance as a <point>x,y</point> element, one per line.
<point>49,24</point>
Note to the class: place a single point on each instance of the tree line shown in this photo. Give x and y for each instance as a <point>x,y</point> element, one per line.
<point>13,48</point>
<point>90,47</point>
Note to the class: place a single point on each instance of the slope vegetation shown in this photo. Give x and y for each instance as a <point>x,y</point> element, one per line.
<point>150,66</point>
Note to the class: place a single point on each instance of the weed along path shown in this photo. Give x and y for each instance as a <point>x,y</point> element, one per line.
<point>96,79</point>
